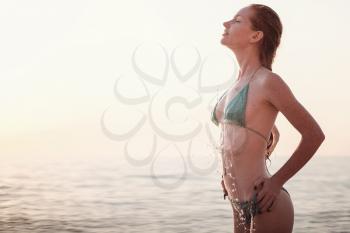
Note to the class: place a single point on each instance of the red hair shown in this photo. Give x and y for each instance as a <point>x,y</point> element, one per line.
<point>267,20</point>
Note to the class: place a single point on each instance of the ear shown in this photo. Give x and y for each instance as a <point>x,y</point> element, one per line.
<point>257,36</point>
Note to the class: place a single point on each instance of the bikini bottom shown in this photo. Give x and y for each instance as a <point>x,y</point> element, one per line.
<point>248,208</point>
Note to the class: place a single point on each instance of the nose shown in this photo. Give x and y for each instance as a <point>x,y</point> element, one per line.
<point>225,24</point>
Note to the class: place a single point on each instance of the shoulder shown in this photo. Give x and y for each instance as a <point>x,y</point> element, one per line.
<point>279,95</point>
<point>282,98</point>
<point>270,79</point>
<point>277,92</point>
<point>273,81</point>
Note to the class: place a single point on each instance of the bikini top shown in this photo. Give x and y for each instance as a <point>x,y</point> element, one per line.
<point>234,112</point>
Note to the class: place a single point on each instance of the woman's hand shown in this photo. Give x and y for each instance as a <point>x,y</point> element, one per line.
<point>268,190</point>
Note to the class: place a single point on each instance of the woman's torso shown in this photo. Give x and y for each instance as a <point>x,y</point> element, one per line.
<point>242,149</point>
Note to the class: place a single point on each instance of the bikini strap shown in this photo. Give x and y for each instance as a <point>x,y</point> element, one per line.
<point>260,134</point>
<point>253,75</point>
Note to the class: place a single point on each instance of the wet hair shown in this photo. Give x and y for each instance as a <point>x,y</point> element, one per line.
<point>271,142</point>
<point>267,20</point>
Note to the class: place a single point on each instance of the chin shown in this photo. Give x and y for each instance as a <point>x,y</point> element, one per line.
<point>223,41</point>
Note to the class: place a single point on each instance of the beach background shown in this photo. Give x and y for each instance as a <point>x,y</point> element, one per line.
<point>105,114</point>
<point>109,195</point>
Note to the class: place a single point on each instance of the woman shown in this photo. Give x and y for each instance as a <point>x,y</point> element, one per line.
<point>246,113</point>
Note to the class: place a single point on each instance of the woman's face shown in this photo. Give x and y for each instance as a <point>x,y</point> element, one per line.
<point>238,32</point>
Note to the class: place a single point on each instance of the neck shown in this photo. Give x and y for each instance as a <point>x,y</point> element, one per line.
<point>248,61</point>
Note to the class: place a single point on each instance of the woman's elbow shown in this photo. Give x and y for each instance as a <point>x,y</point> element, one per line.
<point>322,136</point>
<point>315,135</point>
<point>319,134</point>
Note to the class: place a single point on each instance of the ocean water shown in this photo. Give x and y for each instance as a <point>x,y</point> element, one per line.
<point>108,194</point>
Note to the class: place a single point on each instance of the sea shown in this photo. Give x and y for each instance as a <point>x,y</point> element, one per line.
<point>115,195</point>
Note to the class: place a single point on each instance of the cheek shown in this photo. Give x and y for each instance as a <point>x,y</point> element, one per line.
<point>237,30</point>
<point>238,33</point>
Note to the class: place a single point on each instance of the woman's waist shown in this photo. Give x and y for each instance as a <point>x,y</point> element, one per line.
<point>241,184</point>
<point>245,164</point>
<point>245,178</point>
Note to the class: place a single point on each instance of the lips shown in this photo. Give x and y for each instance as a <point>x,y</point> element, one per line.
<point>225,33</point>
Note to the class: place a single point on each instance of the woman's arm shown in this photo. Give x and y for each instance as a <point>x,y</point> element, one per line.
<point>281,97</point>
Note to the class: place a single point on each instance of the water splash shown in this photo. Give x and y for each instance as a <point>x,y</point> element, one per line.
<point>232,142</point>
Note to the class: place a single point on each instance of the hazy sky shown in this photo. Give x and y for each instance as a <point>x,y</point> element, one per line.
<point>61,59</point>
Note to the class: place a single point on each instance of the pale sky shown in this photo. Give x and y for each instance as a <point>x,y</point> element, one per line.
<point>60,60</point>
